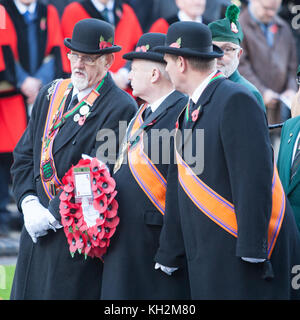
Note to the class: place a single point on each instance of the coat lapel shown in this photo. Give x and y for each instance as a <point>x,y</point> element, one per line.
<point>71,128</point>
<point>163,108</point>
<point>293,183</point>
<point>204,100</point>
<point>155,116</point>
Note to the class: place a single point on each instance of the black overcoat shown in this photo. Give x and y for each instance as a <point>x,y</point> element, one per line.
<point>129,265</point>
<point>238,166</point>
<point>46,270</point>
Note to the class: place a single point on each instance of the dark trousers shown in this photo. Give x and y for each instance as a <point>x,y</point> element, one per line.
<point>5,177</point>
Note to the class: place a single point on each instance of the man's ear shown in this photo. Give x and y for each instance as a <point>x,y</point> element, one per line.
<point>240,52</point>
<point>181,63</point>
<point>155,75</point>
<point>110,58</point>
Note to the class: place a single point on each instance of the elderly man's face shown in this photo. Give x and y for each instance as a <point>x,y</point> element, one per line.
<point>230,61</point>
<point>27,2</point>
<point>265,10</point>
<point>140,77</point>
<point>192,8</point>
<point>88,69</point>
<point>104,2</point>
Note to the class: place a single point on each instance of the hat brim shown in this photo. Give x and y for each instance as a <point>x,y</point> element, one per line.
<point>80,48</point>
<point>186,52</point>
<point>152,56</point>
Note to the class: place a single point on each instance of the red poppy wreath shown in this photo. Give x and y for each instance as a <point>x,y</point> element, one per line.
<point>90,240</point>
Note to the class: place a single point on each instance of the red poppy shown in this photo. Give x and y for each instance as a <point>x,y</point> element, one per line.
<point>109,232</point>
<point>112,222</point>
<point>112,209</point>
<point>175,45</point>
<point>72,242</point>
<point>111,196</point>
<point>95,165</point>
<point>71,209</point>
<point>108,185</point>
<point>99,252</point>
<point>43,24</point>
<point>80,242</point>
<point>86,250</point>
<point>65,196</point>
<point>100,203</point>
<point>195,114</point>
<point>142,49</point>
<point>104,44</point>
<point>67,220</point>
<point>274,28</point>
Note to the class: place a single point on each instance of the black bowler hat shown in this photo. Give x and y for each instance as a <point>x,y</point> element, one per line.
<point>190,39</point>
<point>92,36</point>
<point>144,48</point>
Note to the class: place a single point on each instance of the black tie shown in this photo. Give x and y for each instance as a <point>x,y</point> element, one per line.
<point>191,104</point>
<point>104,13</point>
<point>191,108</point>
<point>147,113</point>
<point>73,102</point>
<point>296,161</point>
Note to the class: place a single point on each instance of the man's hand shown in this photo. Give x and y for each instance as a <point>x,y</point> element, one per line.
<point>37,219</point>
<point>270,98</point>
<point>30,88</point>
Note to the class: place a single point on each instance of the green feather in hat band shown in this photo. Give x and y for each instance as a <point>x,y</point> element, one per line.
<point>229,28</point>
<point>232,13</point>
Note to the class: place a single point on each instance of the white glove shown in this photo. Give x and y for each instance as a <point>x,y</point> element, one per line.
<point>37,219</point>
<point>253,260</point>
<point>167,270</point>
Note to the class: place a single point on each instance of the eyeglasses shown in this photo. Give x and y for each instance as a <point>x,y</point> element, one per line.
<point>87,60</point>
<point>228,50</point>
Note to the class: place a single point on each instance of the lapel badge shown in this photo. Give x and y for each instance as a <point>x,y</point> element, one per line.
<point>84,110</point>
<point>76,117</point>
<point>81,121</point>
<point>195,114</point>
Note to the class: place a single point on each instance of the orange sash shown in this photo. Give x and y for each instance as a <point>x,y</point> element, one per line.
<point>48,173</point>
<point>55,119</point>
<point>221,211</point>
<point>143,169</point>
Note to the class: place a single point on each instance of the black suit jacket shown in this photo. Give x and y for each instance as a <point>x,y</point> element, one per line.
<point>129,264</point>
<point>238,166</point>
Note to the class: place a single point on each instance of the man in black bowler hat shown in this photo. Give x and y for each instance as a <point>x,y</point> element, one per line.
<point>238,230</point>
<point>85,104</point>
<point>141,175</point>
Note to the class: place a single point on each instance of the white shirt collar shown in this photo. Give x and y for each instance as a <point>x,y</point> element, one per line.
<point>100,6</point>
<point>184,17</point>
<point>158,102</point>
<point>199,90</point>
<point>22,8</point>
<point>81,94</point>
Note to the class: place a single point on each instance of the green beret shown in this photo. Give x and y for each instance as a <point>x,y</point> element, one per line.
<point>228,29</point>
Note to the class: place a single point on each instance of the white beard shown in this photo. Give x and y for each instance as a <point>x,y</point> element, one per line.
<point>78,82</point>
<point>229,69</point>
